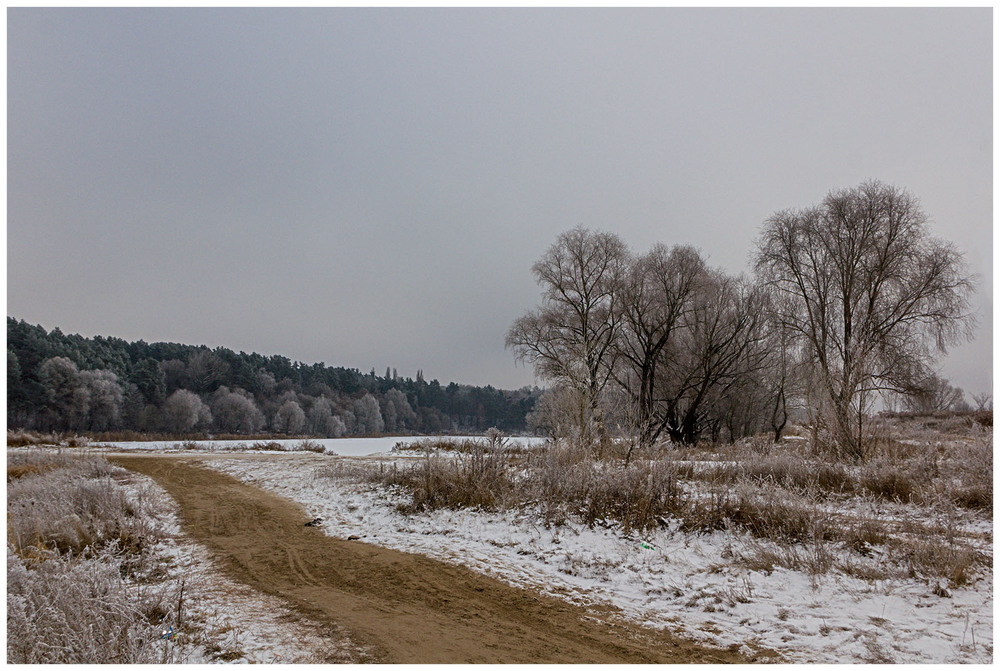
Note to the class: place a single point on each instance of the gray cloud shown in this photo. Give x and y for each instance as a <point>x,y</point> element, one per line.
<point>371,187</point>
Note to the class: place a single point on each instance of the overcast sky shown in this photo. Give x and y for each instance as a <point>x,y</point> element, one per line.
<point>370,188</point>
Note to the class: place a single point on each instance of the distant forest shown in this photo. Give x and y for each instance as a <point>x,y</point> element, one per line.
<point>71,383</point>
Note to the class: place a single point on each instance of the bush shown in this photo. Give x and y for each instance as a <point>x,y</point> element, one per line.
<point>760,515</point>
<point>268,445</point>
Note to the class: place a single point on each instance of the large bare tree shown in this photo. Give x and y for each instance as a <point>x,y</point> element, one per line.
<point>657,293</point>
<point>569,337</point>
<point>718,346</point>
<point>872,295</point>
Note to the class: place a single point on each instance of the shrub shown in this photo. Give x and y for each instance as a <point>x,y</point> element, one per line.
<point>761,515</point>
<point>266,445</point>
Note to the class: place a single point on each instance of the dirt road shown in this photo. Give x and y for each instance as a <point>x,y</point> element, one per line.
<point>407,607</point>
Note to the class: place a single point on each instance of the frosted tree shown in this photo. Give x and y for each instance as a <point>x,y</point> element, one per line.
<point>265,383</point>
<point>67,400</point>
<point>983,401</point>
<point>349,420</point>
<point>404,415</point>
<point>105,398</point>
<point>334,427</point>
<point>319,416</point>
<point>235,411</point>
<point>569,337</point>
<point>183,411</point>
<point>556,413</point>
<point>872,296</point>
<point>368,415</point>
<point>388,415</point>
<point>323,421</point>
<point>290,418</point>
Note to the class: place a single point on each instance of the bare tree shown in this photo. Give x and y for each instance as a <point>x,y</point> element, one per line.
<point>718,346</point>
<point>871,294</point>
<point>569,337</point>
<point>933,394</point>
<point>983,401</point>
<point>657,293</point>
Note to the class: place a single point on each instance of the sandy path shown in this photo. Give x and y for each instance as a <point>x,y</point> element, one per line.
<point>407,607</point>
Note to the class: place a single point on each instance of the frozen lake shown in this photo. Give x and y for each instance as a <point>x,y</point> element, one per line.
<point>347,447</point>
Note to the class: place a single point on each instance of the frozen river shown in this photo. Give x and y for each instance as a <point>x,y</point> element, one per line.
<point>347,447</point>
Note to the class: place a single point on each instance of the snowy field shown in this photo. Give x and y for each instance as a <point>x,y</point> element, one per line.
<point>684,581</point>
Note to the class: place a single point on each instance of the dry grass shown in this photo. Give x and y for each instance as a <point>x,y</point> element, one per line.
<point>126,436</point>
<point>79,564</point>
<point>961,471</point>
<point>800,508</point>
<point>477,479</point>
<point>67,610</point>
<point>446,446</point>
<point>24,438</point>
<point>304,445</point>
<point>73,505</point>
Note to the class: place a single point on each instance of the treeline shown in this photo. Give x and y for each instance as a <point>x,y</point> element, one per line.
<point>850,302</point>
<point>69,382</point>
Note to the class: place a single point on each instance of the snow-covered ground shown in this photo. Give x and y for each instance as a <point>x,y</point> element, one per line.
<point>338,446</point>
<point>687,582</point>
